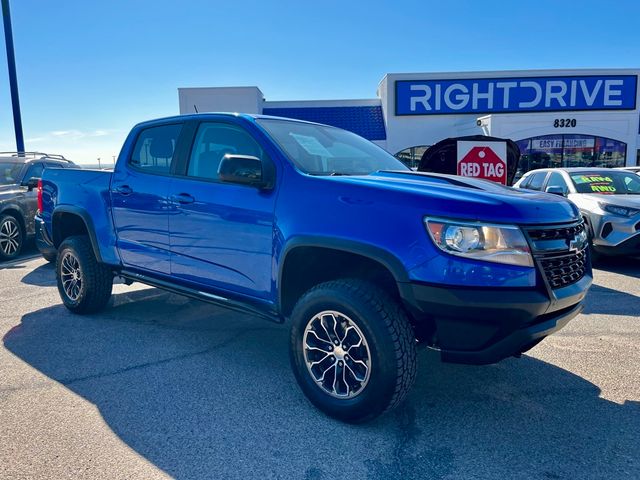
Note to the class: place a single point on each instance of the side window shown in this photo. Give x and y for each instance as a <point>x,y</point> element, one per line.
<point>213,141</point>
<point>556,180</point>
<point>525,182</point>
<point>537,179</point>
<point>632,184</point>
<point>154,149</point>
<point>52,165</point>
<point>35,170</point>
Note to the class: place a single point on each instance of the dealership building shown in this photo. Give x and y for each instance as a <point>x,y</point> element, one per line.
<point>557,117</point>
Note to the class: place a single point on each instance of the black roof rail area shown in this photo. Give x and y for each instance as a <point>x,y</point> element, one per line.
<point>36,155</point>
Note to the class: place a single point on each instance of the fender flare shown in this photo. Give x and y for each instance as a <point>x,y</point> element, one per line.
<point>384,257</point>
<point>88,222</point>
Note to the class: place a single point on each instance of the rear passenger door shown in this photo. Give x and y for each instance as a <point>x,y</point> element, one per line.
<point>221,233</point>
<point>139,190</point>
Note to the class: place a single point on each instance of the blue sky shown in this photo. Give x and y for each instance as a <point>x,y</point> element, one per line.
<point>89,70</point>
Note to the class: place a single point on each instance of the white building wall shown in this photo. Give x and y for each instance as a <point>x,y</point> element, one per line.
<point>220,99</point>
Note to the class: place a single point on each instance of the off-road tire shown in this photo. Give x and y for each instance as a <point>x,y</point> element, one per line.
<point>10,222</point>
<point>388,333</point>
<point>97,278</point>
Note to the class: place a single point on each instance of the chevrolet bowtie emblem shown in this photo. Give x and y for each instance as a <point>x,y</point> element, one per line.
<point>577,243</point>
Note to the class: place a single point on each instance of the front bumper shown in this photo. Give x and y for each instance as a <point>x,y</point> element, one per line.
<point>43,242</point>
<point>615,235</point>
<point>481,326</point>
<point>628,247</point>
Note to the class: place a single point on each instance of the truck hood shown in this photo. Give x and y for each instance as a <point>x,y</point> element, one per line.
<point>469,198</point>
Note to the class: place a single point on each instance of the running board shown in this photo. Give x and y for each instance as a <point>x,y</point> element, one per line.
<point>218,300</point>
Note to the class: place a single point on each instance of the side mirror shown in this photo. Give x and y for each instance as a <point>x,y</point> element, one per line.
<point>557,190</point>
<point>244,170</point>
<point>31,184</point>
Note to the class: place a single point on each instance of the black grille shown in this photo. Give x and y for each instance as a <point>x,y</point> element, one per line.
<point>552,248</point>
<point>563,270</point>
<point>556,233</point>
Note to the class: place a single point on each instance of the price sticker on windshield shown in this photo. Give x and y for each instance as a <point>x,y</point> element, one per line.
<point>311,145</point>
<point>597,183</point>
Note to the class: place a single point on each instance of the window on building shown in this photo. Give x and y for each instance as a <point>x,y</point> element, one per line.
<point>570,150</point>
<point>411,156</point>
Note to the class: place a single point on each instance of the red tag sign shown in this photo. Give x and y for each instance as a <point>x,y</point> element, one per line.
<point>487,161</point>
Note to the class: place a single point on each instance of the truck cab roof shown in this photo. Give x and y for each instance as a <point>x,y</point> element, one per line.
<point>251,117</point>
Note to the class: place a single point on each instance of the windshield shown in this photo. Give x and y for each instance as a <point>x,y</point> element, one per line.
<point>606,182</point>
<point>320,150</point>
<point>9,172</point>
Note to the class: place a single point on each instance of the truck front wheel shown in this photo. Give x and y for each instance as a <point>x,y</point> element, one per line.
<point>84,284</point>
<point>352,349</point>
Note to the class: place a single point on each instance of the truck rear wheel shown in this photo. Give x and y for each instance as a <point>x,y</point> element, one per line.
<point>84,284</point>
<point>352,349</point>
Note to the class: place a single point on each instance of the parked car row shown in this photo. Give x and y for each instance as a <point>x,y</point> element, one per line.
<point>608,199</point>
<point>19,174</point>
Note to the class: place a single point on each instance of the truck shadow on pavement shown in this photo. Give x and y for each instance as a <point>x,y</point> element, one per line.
<point>205,393</point>
<point>41,276</point>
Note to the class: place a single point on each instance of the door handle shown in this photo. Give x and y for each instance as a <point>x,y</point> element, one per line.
<point>183,198</point>
<point>123,190</point>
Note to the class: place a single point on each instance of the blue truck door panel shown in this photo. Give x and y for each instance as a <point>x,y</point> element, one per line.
<point>139,191</point>
<point>139,207</point>
<point>221,234</point>
<point>223,238</point>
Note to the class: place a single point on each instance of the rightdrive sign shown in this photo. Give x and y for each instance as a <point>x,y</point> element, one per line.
<point>525,94</point>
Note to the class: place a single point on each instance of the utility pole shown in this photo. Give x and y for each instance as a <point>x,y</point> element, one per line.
<point>13,79</point>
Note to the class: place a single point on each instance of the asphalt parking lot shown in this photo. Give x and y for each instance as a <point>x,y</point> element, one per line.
<point>161,386</point>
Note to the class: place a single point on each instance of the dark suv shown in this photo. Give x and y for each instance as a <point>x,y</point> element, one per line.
<point>19,174</point>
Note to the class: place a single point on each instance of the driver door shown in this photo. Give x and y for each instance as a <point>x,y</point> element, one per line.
<point>221,234</point>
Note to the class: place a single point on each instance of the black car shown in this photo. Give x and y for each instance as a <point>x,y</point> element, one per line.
<point>18,197</point>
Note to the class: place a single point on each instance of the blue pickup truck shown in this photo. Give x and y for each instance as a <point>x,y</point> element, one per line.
<point>306,223</point>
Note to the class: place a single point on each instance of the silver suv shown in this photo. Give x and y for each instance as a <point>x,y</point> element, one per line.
<point>608,199</point>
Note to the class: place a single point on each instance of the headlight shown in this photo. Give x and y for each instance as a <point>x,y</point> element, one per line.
<point>617,210</point>
<point>490,243</point>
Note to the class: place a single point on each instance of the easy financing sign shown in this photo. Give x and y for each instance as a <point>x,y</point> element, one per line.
<point>527,94</point>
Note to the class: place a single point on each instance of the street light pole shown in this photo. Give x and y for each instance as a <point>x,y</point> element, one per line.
<point>13,80</point>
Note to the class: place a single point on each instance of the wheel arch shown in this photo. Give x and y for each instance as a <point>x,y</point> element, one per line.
<point>339,259</point>
<point>15,211</point>
<point>69,220</point>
